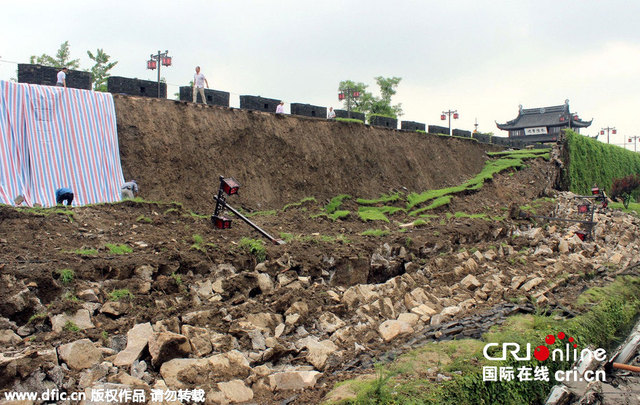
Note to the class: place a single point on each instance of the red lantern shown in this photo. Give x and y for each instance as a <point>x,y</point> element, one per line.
<point>443,117</point>
<point>151,64</point>
<point>230,185</point>
<point>601,132</point>
<point>221,222</point>
<point>629,140</point>
<point>614,131</point>
<point>166,61</point>
<point>356,94</point>
<point>341,96</point>
<point>455,116</point>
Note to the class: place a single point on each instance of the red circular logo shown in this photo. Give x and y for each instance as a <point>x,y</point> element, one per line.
<point>550,339</point>
<point>541,353</point>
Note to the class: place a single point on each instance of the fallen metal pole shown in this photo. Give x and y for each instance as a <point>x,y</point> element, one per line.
<point>245,219</point>
<point>627,367</point>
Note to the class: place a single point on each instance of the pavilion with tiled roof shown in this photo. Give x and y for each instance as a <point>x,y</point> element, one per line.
<point>543,124</point>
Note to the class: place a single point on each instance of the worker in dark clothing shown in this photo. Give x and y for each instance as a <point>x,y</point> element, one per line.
<point>64,194</point>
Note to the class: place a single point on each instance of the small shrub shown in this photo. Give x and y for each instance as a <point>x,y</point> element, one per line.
<point>255,247</point>
<point>335,203</point>
<point>66,276</point>
<point>37,317</point>
<point>176,278</point>
<point>624,188</point>
<point>198,242</point>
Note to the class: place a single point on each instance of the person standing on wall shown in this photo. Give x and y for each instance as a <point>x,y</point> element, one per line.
<point>198,85</point>
<point>331,115</point>
<point>280,108</point>
<point>62,77</point>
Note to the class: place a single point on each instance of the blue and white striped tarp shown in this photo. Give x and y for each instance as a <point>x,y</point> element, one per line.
<point>53,137</point>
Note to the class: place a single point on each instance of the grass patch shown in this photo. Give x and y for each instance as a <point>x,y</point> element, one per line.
<point>145,219</point>
<point>375,232</point>
<point>633,207</point>
<point>438,202</point>
<point>491,167</point>
<point>335,203</point>
<point>120,294</point>
<point>66,276</point>
<point>385,198</point>
<point>262,213</point>
<point>518,153</point>
<point>71,327</point>
<point>85,252</point>
<point>299,203</point>
<point>339,214</point>
<point>287,237</point>
<point>349,120</point>
<point>254,247</point>
<point>118,249</point>
<point>37,317</point>
<point>198,243</point>
<point>176,278</point>
<point>372,214</point>
<point>608,314</point>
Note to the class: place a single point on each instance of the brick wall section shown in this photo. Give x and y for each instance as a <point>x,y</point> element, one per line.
<point>462,133</point>
<point>135,87</point>
<point>354,115</point>
<point>259,103</point>
<point>379,121</point>
<point>308,110</point>
<point>436,129</point>
<point>46,75</point>
<point>412,126</point>
<point>214,97</point>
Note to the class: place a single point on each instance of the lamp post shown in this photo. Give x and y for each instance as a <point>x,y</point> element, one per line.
<point>634,139</point>
<point>161,58</point>
<point>449,113</point>
<point>612,129</point>
<point>350,94</point>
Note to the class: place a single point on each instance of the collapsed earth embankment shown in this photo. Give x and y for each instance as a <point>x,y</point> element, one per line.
<point>177,150</point>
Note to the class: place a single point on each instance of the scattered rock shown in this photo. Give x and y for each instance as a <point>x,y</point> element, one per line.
<point>391,329</point>
<point>470,282</point>
<point>9,337</point>
<point>329,322</point>
<point>81,319</point>
<point>531,284</point>
<point>165,346</point>
<point>80,354</point>
<point>114,308</point>
<point>293,380</point>
<point>199,339</point>
<point>236,391</point>
<point>137,340</point>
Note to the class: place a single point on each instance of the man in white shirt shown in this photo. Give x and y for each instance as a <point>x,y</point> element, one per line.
<point>280,108</point>
<point>331,114</point>
<point>198,85</point>
<point>62,78</point>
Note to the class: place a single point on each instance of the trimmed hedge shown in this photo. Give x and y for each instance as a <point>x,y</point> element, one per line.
<point>593,162</point>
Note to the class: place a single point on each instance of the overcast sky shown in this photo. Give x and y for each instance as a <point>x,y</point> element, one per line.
<point>481,57</point>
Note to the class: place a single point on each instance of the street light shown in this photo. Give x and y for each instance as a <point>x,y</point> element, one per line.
<point>634,139</point>
<point>449,113</point>
<point>612,129</point>
<point>349,94</point>
<point>154,61</point>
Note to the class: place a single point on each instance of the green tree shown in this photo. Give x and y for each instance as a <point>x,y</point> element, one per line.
<point>369,104</point>
<point>100,70</point>
<point>62,58</point>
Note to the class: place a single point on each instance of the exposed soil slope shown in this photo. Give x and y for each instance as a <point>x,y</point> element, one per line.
<point>177,150</point>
